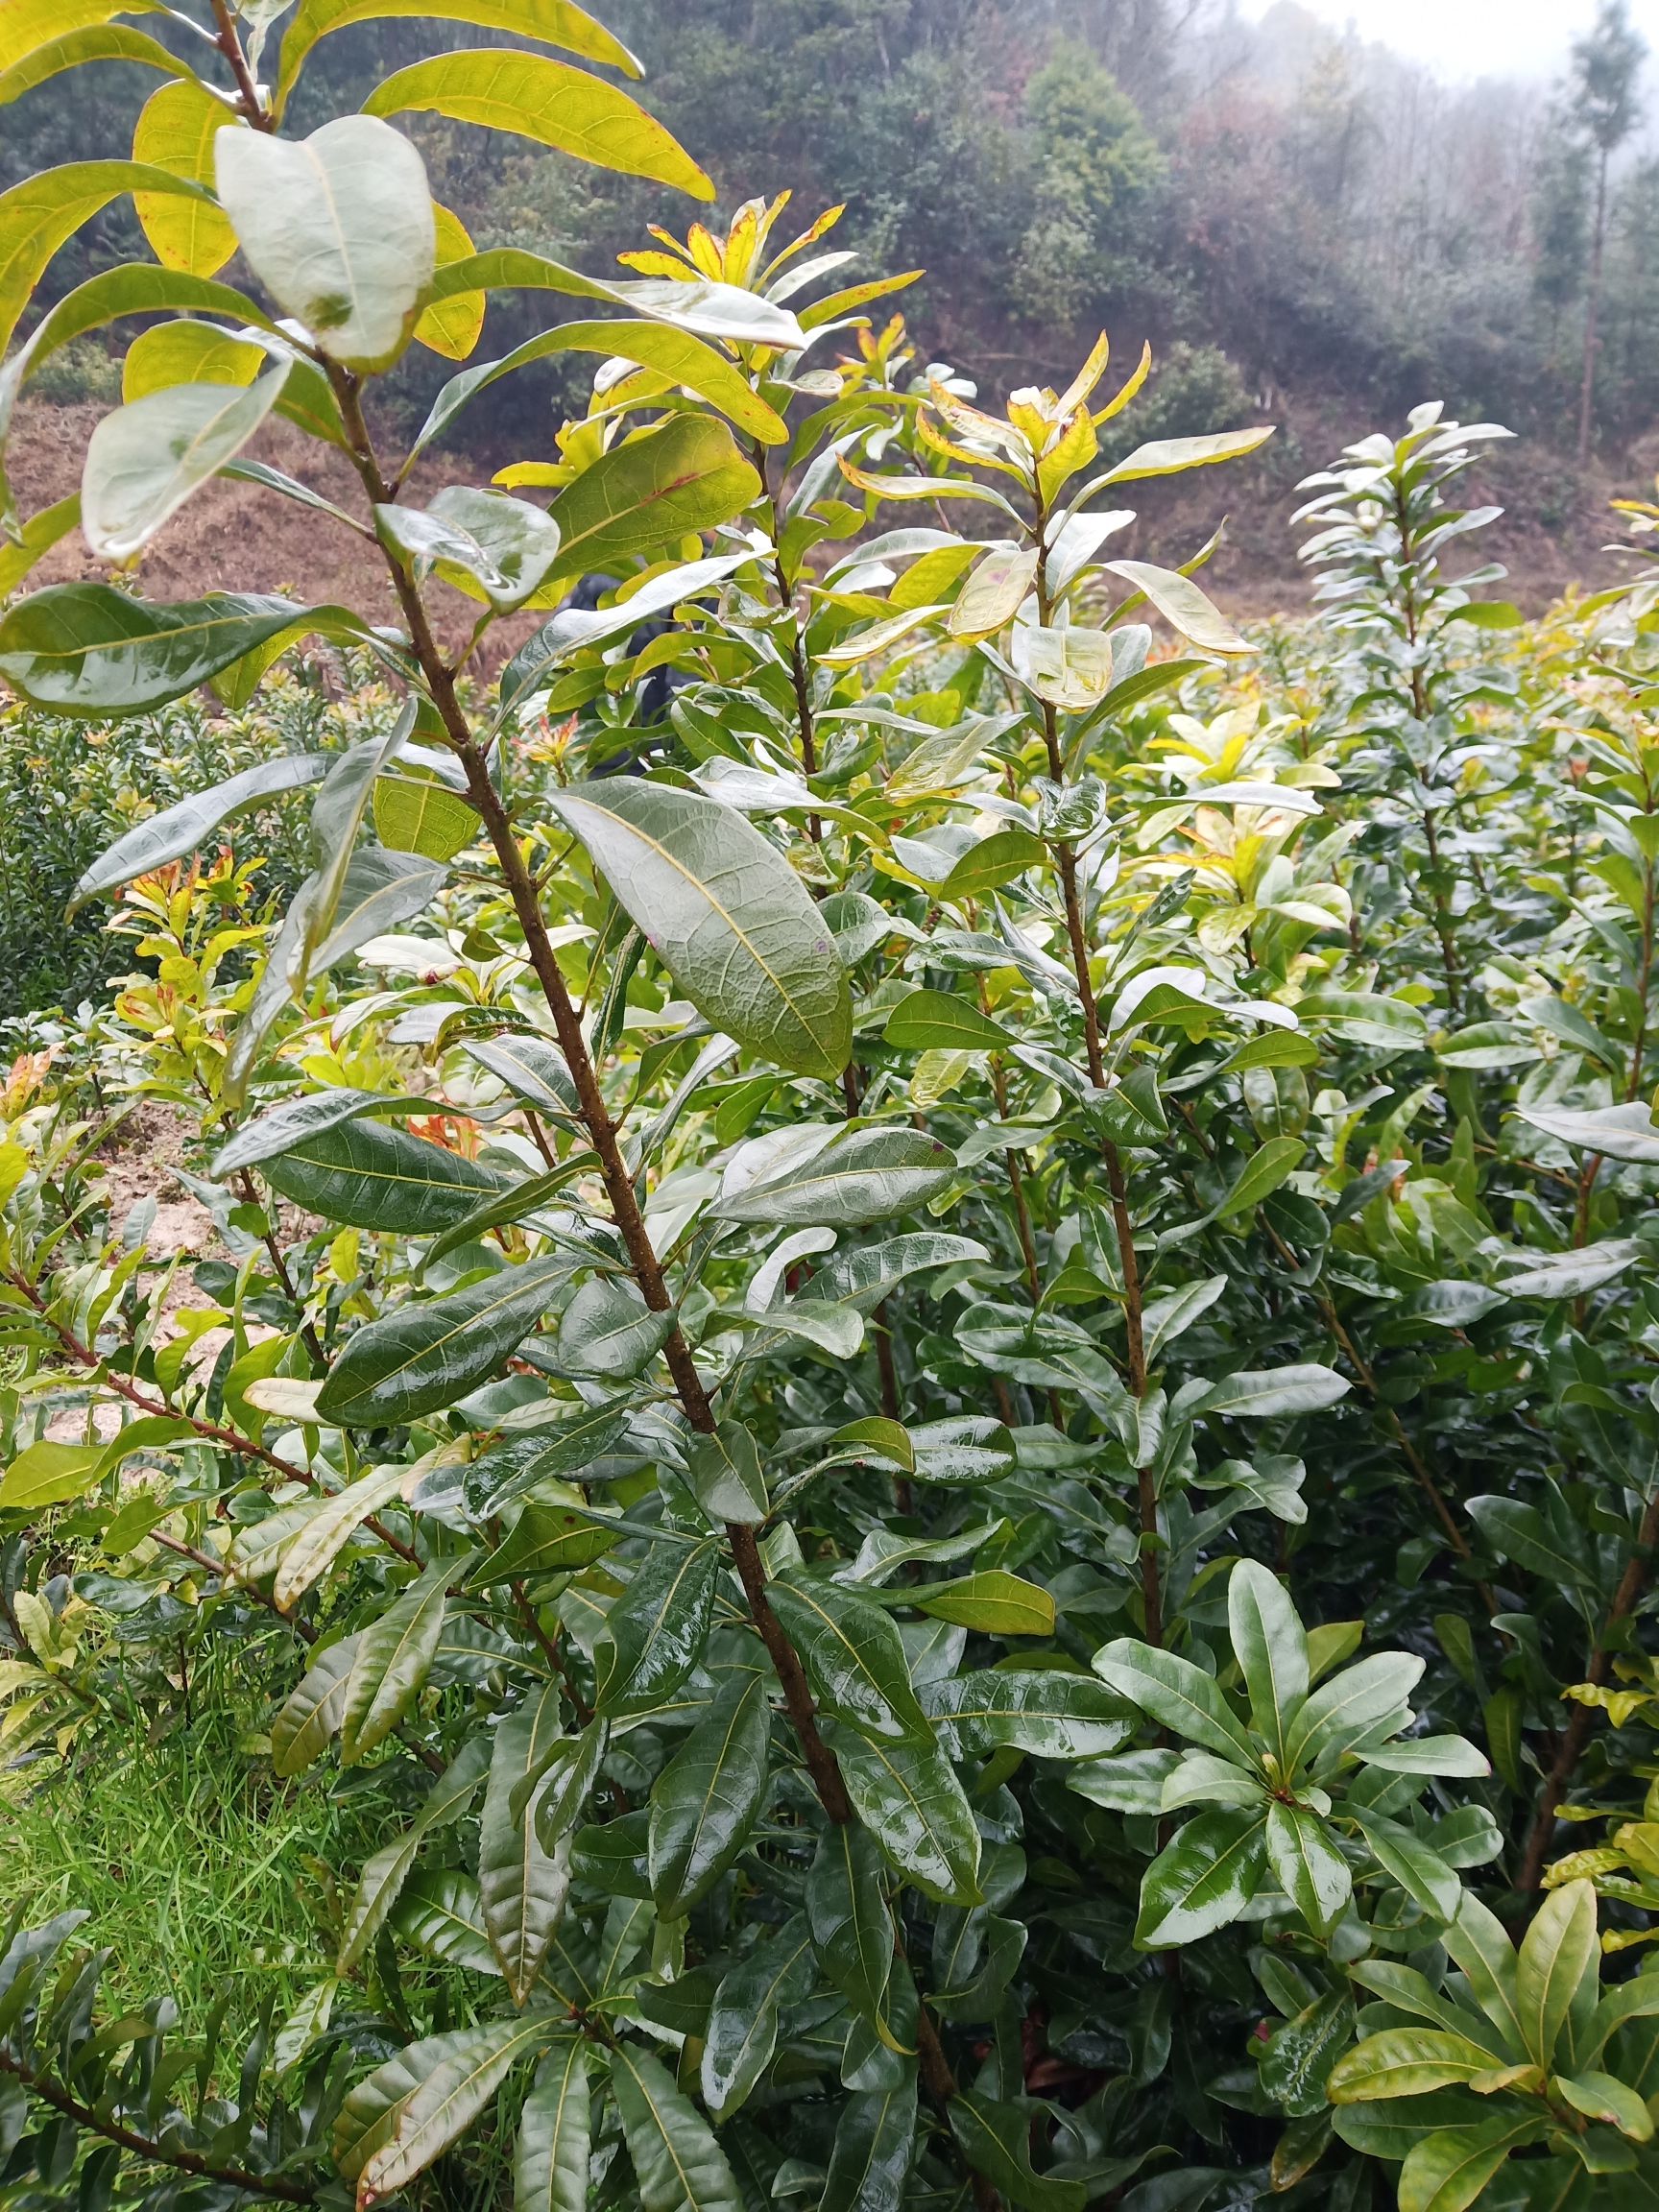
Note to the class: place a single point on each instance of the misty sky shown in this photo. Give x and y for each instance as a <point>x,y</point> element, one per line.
<point>1473,38</point>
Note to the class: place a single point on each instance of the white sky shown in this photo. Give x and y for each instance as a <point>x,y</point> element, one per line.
<point>1461,39</point>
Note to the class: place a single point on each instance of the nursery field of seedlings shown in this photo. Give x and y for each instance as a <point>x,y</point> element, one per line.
<point>903,1452</point>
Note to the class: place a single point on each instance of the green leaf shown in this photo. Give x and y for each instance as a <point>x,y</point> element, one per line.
<point>677,355</point>
<point>1182,606</point>
<point>943,1022</point>
<point>1478,1943</point>
<point>1405,2062</point>
<point>726,914</point>
<point>1257,1393</point>
<point>554,22</point>
<point>724,1472</point>
<point>175,131</point>
<point>48,1474</point>
<point>706,1798</point>
<point>182,829</point>
<point>555,2135</point>
<point>532,1068</point>
<point>656,1631</point>
<point>743,2020</point>
<point>908,1796</point>
<point>34,540</point>
<point>993,1602</point>
<point>649,493</point>
<point>522,1887</point>
<point>1170,456</point>
<point>549,101</point>
<point>368,1176</point>
<point>457,2074</point>
<point>1203,1879</point>
<point>1177,1695</point>
<point>441,1917</point>
<point>1263,1174</point>
<point>1448,2172</point>
<point>1044,1711</point>
<point>996,2141</point>
<point>96,42</point>
<point>484,544</point>
<point>339,230</point>
<point>418,814</point>
<point>1601,2097</point>
<point>281,1128</point>
<point>1616,1131</point>
<point>1271,1650</point>
<point>548,1540</point>
<point>384,1874</point>
<point>311,1713</point>
<point>1420,1871</point>
<point>88,649</point>
<point>1345,1708</point>
<point>1308,1867</point>
<point>852,1927</point>
<point>394,1657</point>
<point>875,2143</point>
<point>426,1354</point>
<point>998,859</point>
<point>609,1333</point>
<point>861,1175</point>
<point>46,211</point>
<point>328,1526</point>
<point>1559,1957</point>
<point>853,1656</point>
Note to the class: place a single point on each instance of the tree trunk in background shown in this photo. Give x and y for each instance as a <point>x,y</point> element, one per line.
<point>1592,307</point>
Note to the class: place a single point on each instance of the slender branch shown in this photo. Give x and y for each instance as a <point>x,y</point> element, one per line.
<point>209,1432</point>
<point>230,44</point>
<point>1632,1583</point>
<point>52,2093</point>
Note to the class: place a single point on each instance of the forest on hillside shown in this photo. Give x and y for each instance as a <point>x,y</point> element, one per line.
<point>1286,213</point>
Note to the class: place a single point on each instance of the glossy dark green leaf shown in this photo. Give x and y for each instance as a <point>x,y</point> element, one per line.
<point>608,1332</point>
<point>726,914</point>
<point>555,2135</point>
<point>854,1657</point>
<point>1307,1864</point>
<point>547,1540</point>
<point>743,2021</point>
<point>88,649</point>
<point>1203,1879</point>
<point>441,1915</point>
<point>427,1353</point>
<point>1271,1650</point>
<point>1048,1712</point>
<point>707,1799</point>
<point>864,1175</point>
<point>522,1888</point>
<point>875,2143</point>
<point>369,1176</point>
<point>458,2074</point>
<point>724,1472</point>
<point>908,1797</point>
<point>996,2141</point>
<point>507,1470</point>
<point>1175,1693</point>
<point>656,1631</point>
<point>385,1873</point>
<point>851,1925</point>
<point>180,829</point>
<point>393,1656</point>
<point>676,2160</point>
